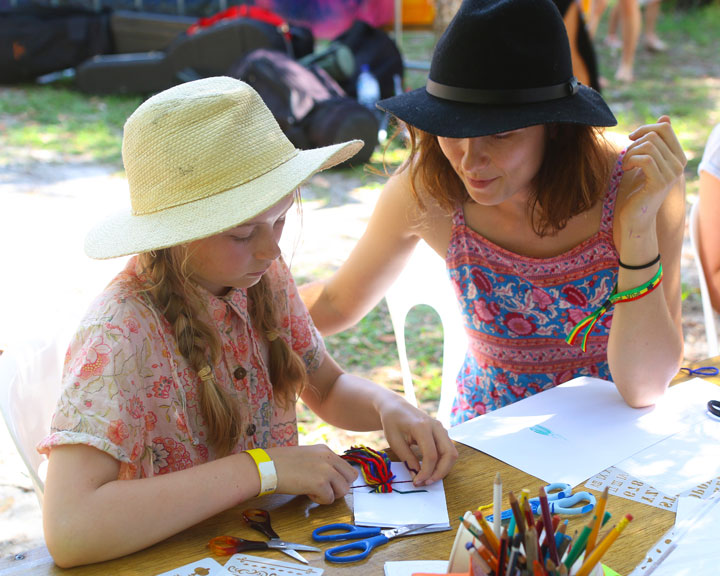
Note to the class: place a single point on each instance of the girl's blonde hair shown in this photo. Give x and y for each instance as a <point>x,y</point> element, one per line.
<point>178,299</point>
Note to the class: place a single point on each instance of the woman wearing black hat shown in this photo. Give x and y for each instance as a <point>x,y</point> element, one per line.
<point>551,237</point>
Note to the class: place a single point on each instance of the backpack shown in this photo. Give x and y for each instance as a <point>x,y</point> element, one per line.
<point>44,40</point>
<point>375,48</point>
<point>298,41</point>
<point>310,107</point>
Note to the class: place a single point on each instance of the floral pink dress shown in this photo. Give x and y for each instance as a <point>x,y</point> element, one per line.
<point>129,392</point>
<point>519,310</point>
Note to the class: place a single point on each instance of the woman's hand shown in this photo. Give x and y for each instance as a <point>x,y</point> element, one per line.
<point>656,154</point>
<point>409,430</point>
<point>312,470</point>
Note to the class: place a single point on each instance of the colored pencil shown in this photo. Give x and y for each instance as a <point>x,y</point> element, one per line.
<point>517,514</point>
<point>601,548</point>
<point>548,521</point>
<point>497,505</point>
<point>599,512</point>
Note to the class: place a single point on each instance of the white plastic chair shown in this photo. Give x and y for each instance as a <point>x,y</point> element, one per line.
<point>30,378</point>
<point>424,280</point>
<point>708,313</point>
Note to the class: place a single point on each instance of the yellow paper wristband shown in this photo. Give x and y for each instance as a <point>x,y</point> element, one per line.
<point>266,470</point>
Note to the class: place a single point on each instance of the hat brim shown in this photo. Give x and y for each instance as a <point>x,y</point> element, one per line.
<point>450,119</point>
<point>124,233</point>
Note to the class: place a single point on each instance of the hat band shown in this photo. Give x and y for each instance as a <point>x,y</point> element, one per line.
<point>513,96</point>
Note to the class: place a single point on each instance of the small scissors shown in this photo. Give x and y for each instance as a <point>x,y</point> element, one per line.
<point>561,500</point>
<point>368,538</point>
<point>258,520</point>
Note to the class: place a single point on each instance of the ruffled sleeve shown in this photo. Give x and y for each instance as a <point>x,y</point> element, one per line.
<point>101,403</point>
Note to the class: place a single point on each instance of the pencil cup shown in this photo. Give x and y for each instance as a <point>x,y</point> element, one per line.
<point>597,571</point>
<point>459,561</point>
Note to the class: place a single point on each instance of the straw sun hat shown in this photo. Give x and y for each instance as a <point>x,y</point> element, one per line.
<point>500,65</point>
<point>202,158</point>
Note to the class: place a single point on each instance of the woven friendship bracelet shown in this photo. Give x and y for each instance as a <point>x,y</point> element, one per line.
<point>588,323</point>
<point>641,266</point>
<point>266,470</point>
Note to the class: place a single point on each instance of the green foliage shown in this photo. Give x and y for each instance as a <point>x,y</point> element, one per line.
<point>63,121</point>
<point>683,82</point>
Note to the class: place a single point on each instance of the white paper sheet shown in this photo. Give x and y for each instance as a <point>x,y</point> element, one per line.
<point>410,567</point>
<point>573,431</point>
<point>690,547</point>
<point>689,457</point>
<point>396,509</point>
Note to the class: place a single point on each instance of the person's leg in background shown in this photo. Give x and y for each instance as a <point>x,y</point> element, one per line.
<point>631,24</point>
<point>596,10</point>
<point>652,40</point>
<point>611,38</point>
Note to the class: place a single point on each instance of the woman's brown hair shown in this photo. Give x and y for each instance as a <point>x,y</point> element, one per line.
<point>571,178</point>
<point>179,301</point>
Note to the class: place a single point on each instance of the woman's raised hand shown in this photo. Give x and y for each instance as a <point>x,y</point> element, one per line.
<point>659,159</point>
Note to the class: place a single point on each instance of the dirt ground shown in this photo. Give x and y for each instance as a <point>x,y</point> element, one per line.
<point>47,207</point>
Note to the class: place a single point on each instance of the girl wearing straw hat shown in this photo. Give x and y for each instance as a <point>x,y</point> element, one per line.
<point>564,252</point>
<point>184,374</point>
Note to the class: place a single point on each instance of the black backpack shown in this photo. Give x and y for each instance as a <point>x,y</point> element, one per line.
<point>42,40</point>
<point>310,107</point>
<point>375,48</point>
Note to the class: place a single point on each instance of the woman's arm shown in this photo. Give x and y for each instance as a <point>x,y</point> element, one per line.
<point>355,403</point>
<point>709,233</point>
<point>90,516</point>
<point>646,342</point>
<point>342,300</point>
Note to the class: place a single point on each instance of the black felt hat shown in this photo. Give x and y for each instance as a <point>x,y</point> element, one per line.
<point>500,65</point>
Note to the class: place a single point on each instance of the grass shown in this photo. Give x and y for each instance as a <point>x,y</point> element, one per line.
<point>683,82</point>
<point>63,122</point>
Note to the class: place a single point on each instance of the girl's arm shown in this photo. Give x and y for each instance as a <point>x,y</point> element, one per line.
<point>709,233</point>
<point>341,301</point>
<point>646,342</point>
<point>355,403</point>
<point>90,516</point>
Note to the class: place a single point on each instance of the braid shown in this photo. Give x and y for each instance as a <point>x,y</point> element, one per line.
<point>287,370</point>
<point>178,302</point>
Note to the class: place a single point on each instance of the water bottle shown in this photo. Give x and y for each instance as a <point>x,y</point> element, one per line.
<point>368,88</point>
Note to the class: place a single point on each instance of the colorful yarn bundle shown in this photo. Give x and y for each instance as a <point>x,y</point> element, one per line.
<point>375,467</point>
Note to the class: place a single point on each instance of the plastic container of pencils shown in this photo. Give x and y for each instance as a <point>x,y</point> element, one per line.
<point>597,571</point>
<point>460,562</point>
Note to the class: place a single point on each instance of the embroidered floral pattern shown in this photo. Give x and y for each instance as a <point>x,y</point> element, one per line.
<point>518,311</point>
<point>129,392</point>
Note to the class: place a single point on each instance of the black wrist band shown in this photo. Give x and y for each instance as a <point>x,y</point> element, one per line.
<point>642,266</point>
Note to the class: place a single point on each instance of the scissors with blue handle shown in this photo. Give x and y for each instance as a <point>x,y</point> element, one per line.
<point>368,537</point>
<point>702,371</point>
<point>713,407</point>
<point>561,501</point>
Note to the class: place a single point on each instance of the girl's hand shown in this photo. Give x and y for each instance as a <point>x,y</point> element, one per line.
<point>659,159</point>
<point>312,470</point>
<point>409,430</point>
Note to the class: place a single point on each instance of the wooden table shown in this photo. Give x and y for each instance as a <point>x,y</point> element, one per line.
<point>468,486</point>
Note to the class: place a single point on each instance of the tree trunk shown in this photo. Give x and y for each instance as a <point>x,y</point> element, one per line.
<point>444,12</point>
